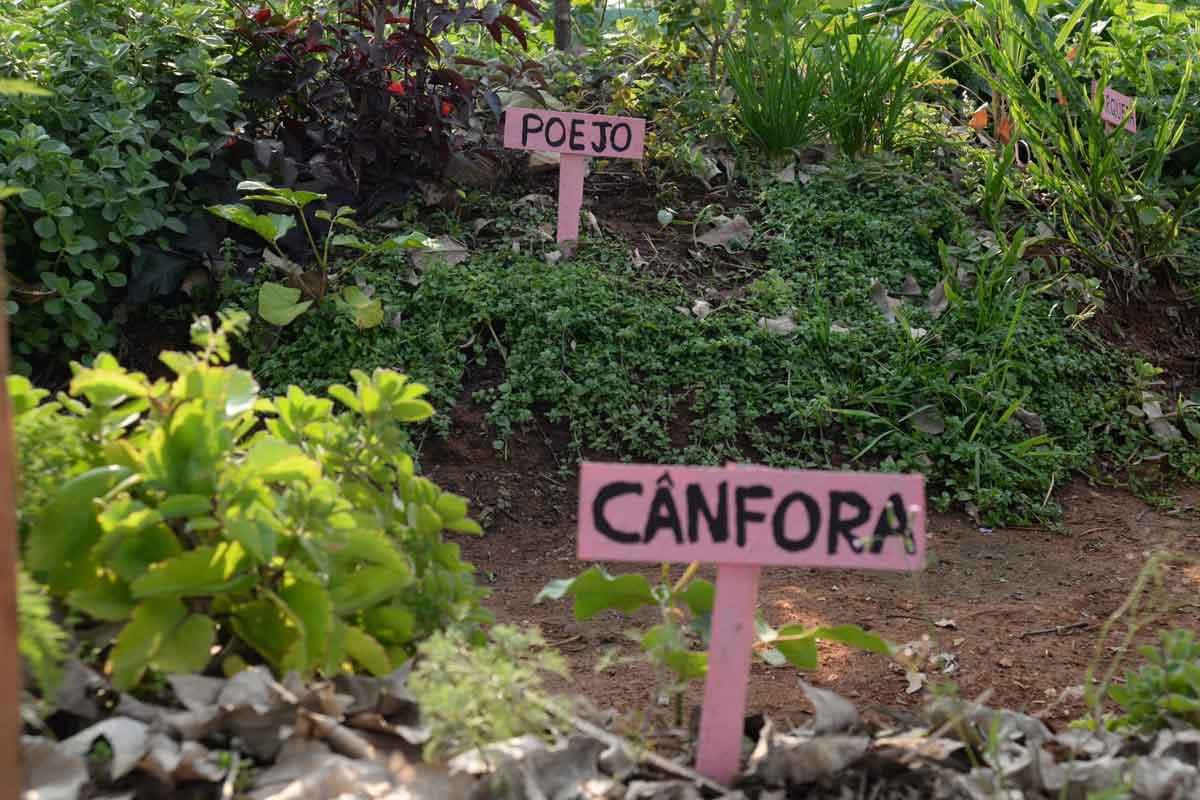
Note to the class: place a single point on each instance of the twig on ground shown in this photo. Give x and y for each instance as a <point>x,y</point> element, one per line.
<point>638,754</point>
<point>1055,629</point>
<point>1093,530</point>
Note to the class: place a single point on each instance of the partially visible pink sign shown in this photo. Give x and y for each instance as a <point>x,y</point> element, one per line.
<point>755,515</point>
<point>1116,107</point>
<point>574,134</point>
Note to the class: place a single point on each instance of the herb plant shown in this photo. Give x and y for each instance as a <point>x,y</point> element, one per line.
<point>203,517</point>
<point>475,693</point>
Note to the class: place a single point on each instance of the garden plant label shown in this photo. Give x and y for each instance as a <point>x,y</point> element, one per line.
<point>575,137</point>
<point>1116,107</point>
<point>743,519</point>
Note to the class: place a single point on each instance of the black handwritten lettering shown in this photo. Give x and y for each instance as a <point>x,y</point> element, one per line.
<point>577,135</point>
<point>663,513</point>
<point>562,132</point>
<point>618,128</point>
<point>598,147</point>
<point>839,526</point>
<point>609,492</point>
<point>744,515</point>
<point>718,523</point>
<point>527,127</point>
<point>779,522</point>
<point>893,522</point>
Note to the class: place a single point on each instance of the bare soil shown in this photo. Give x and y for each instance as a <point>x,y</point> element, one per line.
<point>991,598</point>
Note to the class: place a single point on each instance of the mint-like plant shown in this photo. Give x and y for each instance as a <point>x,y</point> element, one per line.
<point>210,521</point>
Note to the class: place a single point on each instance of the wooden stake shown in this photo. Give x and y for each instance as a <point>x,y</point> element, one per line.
<point>11,774</point>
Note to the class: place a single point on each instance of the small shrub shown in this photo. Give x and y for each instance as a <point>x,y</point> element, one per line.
<point>1164,691</point>
<point>472,694</point>
<point>202,515</point>
<point>109,163</point>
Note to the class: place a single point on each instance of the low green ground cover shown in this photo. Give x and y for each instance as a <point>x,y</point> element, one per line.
<point>996,399</point>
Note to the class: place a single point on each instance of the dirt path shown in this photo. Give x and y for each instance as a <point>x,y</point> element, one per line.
<point>996,586</point>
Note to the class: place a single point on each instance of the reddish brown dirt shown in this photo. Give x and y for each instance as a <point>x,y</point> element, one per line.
<point>997,587</point>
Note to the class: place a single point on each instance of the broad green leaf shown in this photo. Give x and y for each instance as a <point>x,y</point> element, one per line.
<point>687,664</point>
<point>256,536</point>
<point>390,624</point>
<point>11,86</point>
<point>595,590</point>
<point>271,227</point>
<point>279,304</point>
<point>158,635</point>
<point>412,410</point>
<point>373,546</point>
<point>312,608</point>
<point>60,542</point>
<point>107,386</point>
<point>368,587</point>
<point>184,505</point>
<point>365,311</point>
<point>346,240</point>
<point>276,461</point>
<point>133,554</point>
<point>367,651</point>
<point>105,598</point>
<point>264,626</point>
<point>198,572</point>
<point>798,646</point>
<point>450,507</point>
<point>855,636</point>
<point>698,596</point>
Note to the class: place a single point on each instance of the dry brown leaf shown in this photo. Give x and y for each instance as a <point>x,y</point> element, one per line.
<point>780,760</point>
<point>51,773</point>
<point>733,231</point>
<point>832,712</point>
<point>127,738</point>
<point>444,249</point>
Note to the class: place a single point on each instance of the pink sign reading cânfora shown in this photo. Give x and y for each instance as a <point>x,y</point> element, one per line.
<point>575,137</point>
<point>741,519</point>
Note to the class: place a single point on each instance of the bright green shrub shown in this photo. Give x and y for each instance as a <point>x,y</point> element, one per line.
<point>41,641</point>
<point>139,106</point>
<point>281,531</point>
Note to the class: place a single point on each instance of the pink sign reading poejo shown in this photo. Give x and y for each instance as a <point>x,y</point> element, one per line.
<point>574,134</point>
<point>575,137</point>
<point>755,515</point>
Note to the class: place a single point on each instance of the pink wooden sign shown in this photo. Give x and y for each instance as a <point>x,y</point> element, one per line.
<point>755,515</point>
<point>574,134</point>
<point>742,519</point>
<point>1116,107</point>
<point>576,137</point>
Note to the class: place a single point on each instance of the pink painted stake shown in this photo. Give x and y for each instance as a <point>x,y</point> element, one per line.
<point>722,720</point>
<point>570,196</point>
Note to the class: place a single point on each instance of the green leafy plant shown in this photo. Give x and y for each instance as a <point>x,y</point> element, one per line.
<point>1115,202</point>
<point>207,517</point>
<point>113,164</point>
<point>778,90</point>
<point>870,68</point>
<point>1165,689</point>
<point>279,304</point>
<point>676,643</point>
<point>474,693</point>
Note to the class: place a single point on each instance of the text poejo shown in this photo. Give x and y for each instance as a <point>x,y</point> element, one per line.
<point>574,134</point>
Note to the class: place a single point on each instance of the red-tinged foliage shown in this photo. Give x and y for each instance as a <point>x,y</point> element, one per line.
<point>360,99</point>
